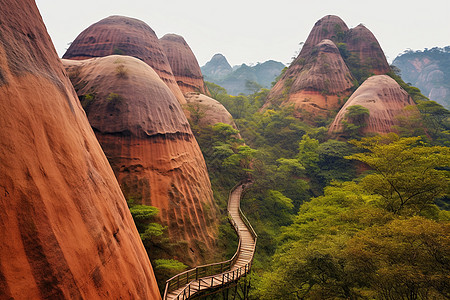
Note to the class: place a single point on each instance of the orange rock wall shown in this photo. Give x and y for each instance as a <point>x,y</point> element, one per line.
<point>151,148</point>
<point>183,63</point>
<point>65,229</point>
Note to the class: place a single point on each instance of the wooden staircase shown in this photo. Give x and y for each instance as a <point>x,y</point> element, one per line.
<point>187,284</point>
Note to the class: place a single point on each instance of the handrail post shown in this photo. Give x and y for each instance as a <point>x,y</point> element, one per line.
<point>196,273</point>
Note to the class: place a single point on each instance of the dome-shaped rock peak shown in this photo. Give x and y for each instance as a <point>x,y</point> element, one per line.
<point>384,99</point>
<point>147,139</point>
<point>124,36</point>
<point>210,111</point>
<point>318,84</point>
<point>184,64</point>
<point>65,230</point>
<point>362,43</point>
<point>329,27</point>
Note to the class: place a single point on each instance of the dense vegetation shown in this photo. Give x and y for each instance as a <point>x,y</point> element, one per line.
<point>337,219</point>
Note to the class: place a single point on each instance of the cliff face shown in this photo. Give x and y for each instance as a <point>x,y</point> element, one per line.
<point>362,44</point>
<point>318,83</point>
<point>124,36</point>
<point>183,63</point>
<point>429,70</point>
<point>65,229</point>
<point>150,146</point>
<point>384,99</point>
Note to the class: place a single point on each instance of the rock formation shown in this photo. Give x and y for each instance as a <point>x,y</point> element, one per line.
<point>429,70</point>
<point>318,79</point>
<point>150,146</point>
<point>183,63</point>
<point>329,27</point>
<point>384,99</point>
<point>364,46</point>
<point>208,110</point>
<point>65,229</point>
<point>317,84</point>
<point>124,36</point>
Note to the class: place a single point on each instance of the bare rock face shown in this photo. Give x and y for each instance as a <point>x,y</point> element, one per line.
<point>324,73</point>
<point>207,110</point>
<point>148,141</point>
<point>124,36</point>
<point>329,27</point>
<point>316,84</point>
<point>65,229</point>
<point>184,65</point>
<point>384,99</point>
<point>362,43</point>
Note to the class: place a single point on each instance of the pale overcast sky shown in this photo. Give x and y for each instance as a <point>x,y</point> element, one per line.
<point>251,31</point>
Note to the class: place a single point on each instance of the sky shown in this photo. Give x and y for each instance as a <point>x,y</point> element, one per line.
<point>250,31</point>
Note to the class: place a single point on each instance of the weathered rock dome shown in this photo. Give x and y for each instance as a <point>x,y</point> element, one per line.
<point>147,139</point>
<point>318,84</point>
<point>124,36</point>
<point>211,110</point>
<point>384,99</point>
<point>184,64</point>
<point>362,43</point>
<point>65,230</point>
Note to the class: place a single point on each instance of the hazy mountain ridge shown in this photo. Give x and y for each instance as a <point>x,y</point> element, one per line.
<point>429,70</point>
<point>241,79</point>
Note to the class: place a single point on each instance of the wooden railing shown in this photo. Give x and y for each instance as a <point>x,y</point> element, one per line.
<point>215,274</point>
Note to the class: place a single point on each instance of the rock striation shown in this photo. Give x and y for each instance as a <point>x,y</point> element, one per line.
<point>317,84</point>
<point>355,56</point>
<point>150,146</point>
<point>384,99</point>
<point>327,28</point>
<point>184,65</point>
<point>65,228</point>
<point>118,35</point>
<point>364,46</point>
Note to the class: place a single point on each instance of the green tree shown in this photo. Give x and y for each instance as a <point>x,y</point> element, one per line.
<point>408,174</point>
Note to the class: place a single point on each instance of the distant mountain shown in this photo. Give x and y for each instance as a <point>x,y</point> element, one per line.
<point>241,79</point>
<point>429,70</point>
<point>217,68</point>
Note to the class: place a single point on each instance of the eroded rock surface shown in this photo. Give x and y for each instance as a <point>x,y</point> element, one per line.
<point>363,45</point>
<point>148,141</point>
<point>384,99</point>
<point>183,63</point>
<point>206,110</point>
<point>124,36</point>
<point>316,84</point>
<point>65,228</point>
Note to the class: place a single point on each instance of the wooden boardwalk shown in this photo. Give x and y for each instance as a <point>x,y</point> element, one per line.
<point>189,283</point>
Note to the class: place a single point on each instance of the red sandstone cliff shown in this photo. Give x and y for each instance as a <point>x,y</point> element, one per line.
<point>318,84</point>
<point>384,99</point>
<point>150,146</point>
<point>124,36</point>
<point>65,229</point>
<point>183,63</point>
